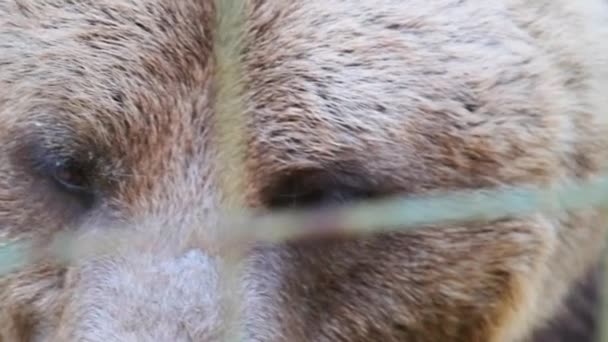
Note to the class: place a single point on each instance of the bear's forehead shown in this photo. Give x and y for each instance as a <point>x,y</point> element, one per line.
<point>136,81</point>
<point>123,80</point>
<point>94,57</point>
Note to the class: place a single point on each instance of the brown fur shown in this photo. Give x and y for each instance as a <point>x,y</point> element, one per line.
<point>382,97</point>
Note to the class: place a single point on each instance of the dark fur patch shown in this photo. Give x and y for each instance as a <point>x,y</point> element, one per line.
<point>578,322</point>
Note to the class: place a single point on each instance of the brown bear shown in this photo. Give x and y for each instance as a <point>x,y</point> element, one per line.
<point>110,119</point>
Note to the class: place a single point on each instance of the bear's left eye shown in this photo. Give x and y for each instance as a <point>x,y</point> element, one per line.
<point>312,189</point>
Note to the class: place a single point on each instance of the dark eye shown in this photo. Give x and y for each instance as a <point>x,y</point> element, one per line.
<point>68,173</point>
<point>314,189</point>
<point>71,176</point>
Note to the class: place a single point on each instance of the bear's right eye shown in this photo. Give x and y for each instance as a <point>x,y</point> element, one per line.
<point>71,176</point>
<point>67,174</point>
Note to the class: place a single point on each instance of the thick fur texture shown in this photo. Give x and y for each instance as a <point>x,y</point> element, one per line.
<point>366,97</point>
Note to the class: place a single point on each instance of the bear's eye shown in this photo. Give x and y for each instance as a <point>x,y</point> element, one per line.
<point>313,189</point>
<point>68,174</point>
<point>71,176</point>
<point>63,171</point>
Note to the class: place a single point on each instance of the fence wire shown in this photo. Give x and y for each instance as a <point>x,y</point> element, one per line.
<point>229,111</point>
<point>392,215</point>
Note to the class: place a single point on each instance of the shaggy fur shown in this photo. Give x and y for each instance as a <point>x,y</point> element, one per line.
<point>343,99</point>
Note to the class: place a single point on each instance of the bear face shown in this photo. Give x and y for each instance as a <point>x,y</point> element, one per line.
<point>111,116</point>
